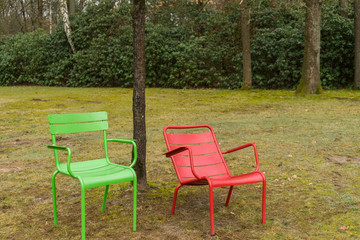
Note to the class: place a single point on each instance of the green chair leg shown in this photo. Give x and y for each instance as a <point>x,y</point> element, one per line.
<point>134,203</point>
<point>54,197</point>
<point>105,196</point>
<point>82,213</point>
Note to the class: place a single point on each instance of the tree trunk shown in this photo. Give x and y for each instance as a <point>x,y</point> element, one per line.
<point>357,44</point>
<point>81,5</point>
<point>139,89</point>
<point>24,29</point>
<point>66,20</point>
<point>343,8</point>
<point>71,7</point>
<point>40,13</point>
<point>50,17</point>
<point>310,75</point>
<point>32,11</point>
<point>246,49</point>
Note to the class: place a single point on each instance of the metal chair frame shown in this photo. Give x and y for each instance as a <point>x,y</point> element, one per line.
<point>198,160</point>
<point>91,173</point>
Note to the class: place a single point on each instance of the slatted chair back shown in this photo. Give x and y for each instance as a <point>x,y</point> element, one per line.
<point>207,157</point>
<point>76,123</point>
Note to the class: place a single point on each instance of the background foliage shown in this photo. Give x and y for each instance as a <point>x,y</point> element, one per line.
<point>189,45</point>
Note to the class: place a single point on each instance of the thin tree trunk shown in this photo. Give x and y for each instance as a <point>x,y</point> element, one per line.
<point>343,8</point>
<point>50,17</point>
<point>310,75</point>
<point>33,15</point>
<point>357,44</point>
<point>66,20</point>
<point>40,13</point>
<point>24,16</point>
<point>81,5</point>
<point>71,7</point>
<point>139,89</point>
<point>246,49</point>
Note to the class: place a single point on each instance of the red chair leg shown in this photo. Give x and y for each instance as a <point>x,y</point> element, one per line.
<point>229,195</point>
<point>264,202</point>
<point>212,227</point>
<point>174,200</point>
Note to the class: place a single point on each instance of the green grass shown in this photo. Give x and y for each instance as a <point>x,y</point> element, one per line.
<point>309,197</point>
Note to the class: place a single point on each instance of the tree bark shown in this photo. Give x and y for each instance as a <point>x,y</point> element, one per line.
<point>343,5</point>
<point>66,20</point>
<point>310,82</point>
<point>246,49</point>
<point>139,89</point>
<point>50,17</point>
<point>24,29</point>
<point>71,7</point>
<point>357,44</point>
<point>40,13</point>
<point>81,5</point>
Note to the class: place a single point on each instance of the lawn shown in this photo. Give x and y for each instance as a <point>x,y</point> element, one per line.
<point>308,148</point>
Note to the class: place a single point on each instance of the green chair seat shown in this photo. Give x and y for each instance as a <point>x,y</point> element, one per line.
<point>99,175</point>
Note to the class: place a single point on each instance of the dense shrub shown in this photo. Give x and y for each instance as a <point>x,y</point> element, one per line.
<point>277,47</point>
<point>24,58</point>
<point>188,45</point>
<point>337,50</point>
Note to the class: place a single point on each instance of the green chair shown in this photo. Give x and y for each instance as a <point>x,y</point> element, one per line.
<point>91,173</point>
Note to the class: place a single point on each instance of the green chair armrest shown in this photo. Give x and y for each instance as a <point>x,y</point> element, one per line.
<point>130,141</point>
<point>57,160</point>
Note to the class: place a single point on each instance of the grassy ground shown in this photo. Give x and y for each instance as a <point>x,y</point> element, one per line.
<point>308,147</point>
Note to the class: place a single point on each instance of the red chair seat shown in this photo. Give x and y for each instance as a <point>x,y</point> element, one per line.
<point>248,178</point>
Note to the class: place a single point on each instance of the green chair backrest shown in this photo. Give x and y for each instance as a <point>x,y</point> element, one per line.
<point>78,122</point>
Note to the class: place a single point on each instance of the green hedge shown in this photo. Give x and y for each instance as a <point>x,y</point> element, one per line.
<point>188,45</point>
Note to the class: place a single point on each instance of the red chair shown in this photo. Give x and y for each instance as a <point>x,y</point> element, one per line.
<point>198,160</point>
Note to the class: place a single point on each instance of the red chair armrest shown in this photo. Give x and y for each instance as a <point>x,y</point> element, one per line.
<point>175,151</point>
<point>179,150</point>
<point>245,146</point>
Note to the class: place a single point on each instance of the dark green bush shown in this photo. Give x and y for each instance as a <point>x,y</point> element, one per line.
<point>277,58</point>
<point>337,50</point>
<point>188,45</point>
<point>24,58</point>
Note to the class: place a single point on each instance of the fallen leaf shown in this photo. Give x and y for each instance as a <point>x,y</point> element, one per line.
<point>344,228</point>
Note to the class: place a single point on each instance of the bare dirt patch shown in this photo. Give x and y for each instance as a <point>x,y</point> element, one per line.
<point>16,166</point>
<point>347,98</point>
<point>342,159</point>
<point>39,100</point>
<point>7,169</point>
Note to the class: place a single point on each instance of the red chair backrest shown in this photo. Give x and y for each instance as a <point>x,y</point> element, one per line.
<point>207,157</point>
